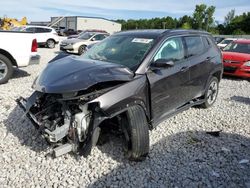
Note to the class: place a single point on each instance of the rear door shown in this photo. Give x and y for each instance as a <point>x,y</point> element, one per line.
<point>199,61</point>
<point>169,85</point>
<point>39,37</point>
<point>42,34</point>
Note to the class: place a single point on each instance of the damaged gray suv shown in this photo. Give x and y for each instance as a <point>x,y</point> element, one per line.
<point>132,80</point>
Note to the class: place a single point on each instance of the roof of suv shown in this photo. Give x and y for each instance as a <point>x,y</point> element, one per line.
<point>154,33</point>
<point>38,26</point>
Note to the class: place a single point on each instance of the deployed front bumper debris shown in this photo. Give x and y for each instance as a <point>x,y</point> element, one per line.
<point>66,121</point>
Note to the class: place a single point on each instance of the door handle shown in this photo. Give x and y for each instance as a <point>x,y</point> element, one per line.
<point>184,69</point>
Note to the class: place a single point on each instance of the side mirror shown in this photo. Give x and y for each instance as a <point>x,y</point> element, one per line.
<point>93,39</point>
<point>162,63</point>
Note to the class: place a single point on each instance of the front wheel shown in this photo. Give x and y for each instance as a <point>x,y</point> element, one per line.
<point>211,93</point>
<point>6,69</point>
<point>136,133</point>
<point>81,49</point>
<point>50,43</point>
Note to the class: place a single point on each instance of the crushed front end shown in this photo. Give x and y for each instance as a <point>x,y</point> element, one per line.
<point>62,106</point>
<point>64,120</point>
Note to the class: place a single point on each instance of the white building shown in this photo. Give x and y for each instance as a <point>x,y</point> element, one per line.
<point>84,23</point>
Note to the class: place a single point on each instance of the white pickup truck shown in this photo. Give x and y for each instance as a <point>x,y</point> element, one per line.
<point>17,49</point>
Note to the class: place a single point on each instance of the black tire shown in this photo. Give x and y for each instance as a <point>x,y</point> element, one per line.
<point>6,69</point>
<point>50,43</point>
<point>211,93</point>
<point>81,49</point>
<point>135,127</point>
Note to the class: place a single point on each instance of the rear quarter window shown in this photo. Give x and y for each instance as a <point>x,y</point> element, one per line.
<point>195,45</point>
<point>43,30</point>
<point>206,42</point>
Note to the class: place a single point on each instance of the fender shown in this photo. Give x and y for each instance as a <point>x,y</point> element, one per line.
<point>121,98</point>
<point>8,55</point>
<point>216,71</point>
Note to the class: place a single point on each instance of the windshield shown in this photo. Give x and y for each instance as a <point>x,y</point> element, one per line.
<point>86,36</point>
<point>226,41</point>
<point>124,50</point>
<point>238,47</point>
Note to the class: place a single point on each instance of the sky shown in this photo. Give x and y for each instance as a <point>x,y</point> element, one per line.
<point>42,10</point>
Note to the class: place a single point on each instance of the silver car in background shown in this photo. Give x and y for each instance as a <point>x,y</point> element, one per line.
<point>79,45</point>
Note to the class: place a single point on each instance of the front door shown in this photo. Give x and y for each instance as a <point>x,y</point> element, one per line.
<point>169,86</point>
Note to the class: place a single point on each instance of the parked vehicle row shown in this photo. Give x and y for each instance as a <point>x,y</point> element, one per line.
<point>218,39</point>
<point>133,79</point>
<point>236,56</point>
<point>85,31</point>
<point>17,49</point>
<point>225,42</point>
<point>68,32</point>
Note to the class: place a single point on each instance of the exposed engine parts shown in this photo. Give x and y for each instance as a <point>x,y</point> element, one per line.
<point>63,120</point>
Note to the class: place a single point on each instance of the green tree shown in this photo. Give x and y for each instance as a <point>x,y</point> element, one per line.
<point>186,25</point>
<point>241,22</point>
<point>199,15</point>
<point>238,32</point>
<point>209,20</point>
<point>229,17</point>
<point>203,16</point>
<point>185,20</point>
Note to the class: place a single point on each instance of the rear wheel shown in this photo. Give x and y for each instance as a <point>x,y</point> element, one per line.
<point>50,43</point>
<point>6,69</point>
<point>81,49</point>
<point>211,93</point>
<point>135,128</point>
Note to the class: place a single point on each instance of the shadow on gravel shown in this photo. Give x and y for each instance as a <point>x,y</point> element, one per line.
<point>18,73</point>
<point>187,159</point>
<point>245,100</point>
<point>23,129</point>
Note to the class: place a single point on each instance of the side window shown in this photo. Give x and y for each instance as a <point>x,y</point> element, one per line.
<point>99,37</point>
<point>42,30</point>
<point>206,42</point>
<point>47,30</point>
<point>172,49</point>
<point>194,45</point>
<point>39,30</point>
<point>30,29</point>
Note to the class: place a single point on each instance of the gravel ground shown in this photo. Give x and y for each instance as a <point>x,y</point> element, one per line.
<point>181,154</point>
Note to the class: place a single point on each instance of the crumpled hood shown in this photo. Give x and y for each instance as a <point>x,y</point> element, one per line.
<point>73,73</point>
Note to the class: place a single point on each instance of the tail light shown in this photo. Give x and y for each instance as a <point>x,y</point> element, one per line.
<point>34,46</point>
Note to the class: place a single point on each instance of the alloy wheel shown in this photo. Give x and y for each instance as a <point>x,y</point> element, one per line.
<point>51,44</point>
<point>212,92</point>
<point>3,69</point>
